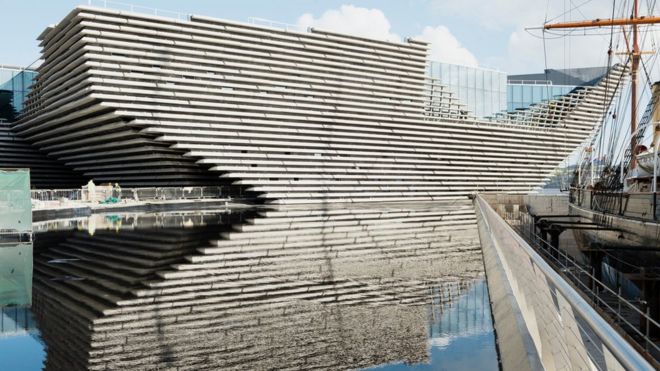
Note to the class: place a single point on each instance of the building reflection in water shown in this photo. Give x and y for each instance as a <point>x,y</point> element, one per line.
<point>20,345</point>
<point>260,289</point>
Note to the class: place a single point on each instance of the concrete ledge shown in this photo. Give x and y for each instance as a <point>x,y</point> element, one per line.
<point>42,215</point>
<point>514,342</point>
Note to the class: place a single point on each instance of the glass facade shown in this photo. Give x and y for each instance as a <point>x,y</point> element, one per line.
<point>14,86</point>
<point>522,95</point>
<point>483,91</point>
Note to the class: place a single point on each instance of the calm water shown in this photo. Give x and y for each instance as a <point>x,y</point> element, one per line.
<point>387,288</point>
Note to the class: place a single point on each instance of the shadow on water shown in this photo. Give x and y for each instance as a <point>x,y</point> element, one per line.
<point>332,288</point>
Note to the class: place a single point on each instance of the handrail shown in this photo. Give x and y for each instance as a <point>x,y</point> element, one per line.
<point>615,343</point>
<point>118,5</point>
<point>532,82</point>
<point>276,24</point>
<point>616,206</point>
<point>582,270</point>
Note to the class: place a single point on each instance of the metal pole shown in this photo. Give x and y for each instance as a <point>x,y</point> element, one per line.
<point>633,89</point>
<point>591,158</point>
<point>593,280</point>
<point>655,167</point>
<point>580,173</point>
<point>655,179</point>
<point>648,326</point>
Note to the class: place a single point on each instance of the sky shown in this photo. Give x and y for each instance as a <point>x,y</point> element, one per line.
<point>487,33</point>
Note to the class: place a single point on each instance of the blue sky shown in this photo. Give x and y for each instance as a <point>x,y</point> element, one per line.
<point>489,33</point>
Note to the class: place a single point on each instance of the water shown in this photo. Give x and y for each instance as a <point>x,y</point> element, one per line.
<point>386,288</point>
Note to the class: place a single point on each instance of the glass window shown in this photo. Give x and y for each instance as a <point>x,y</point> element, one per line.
<point>544,93</point>
<point>518,94</point>
<point>503,101</point>
<point>471,77</point>
<point>479,79</point>
<point>462,95</point>
<point>527,94</point>
<point>453,75</point>
<point>484,92</point>
<point>444,72</point>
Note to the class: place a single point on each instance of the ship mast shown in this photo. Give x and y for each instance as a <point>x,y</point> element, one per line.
<point>633,21</point>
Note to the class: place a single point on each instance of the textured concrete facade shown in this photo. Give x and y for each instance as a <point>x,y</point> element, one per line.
<point>295,117</point>
<point>45,172</point>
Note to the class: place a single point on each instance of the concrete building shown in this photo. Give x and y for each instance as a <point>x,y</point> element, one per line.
<point>295,117</point>
<point>45,171</point>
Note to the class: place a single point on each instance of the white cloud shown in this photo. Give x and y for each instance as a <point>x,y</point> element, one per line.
<point>501,14</point>
<point>352,20</point>
<point>523,52</point>
<point>373,23</point>
<point>445,47</point>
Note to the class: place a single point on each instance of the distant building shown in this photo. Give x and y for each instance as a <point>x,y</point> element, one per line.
<point>486,92</point>
<point>525,90</point>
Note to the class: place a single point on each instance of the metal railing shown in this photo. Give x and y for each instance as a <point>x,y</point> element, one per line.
<point>594,288</point>
<point>529,82</point>
<point>56,194</point>
<point>528,267</point>
<point>641,206</point>
<point>276,24</point>
<point>14,237</point>
<point>116,5</point>
<point>180,193</point>
<point>140,194</point>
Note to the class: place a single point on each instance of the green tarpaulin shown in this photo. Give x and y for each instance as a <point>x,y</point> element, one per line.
<point>15,274</point>
<point>15,203</point>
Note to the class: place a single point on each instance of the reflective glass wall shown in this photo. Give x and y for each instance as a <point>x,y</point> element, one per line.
<point>522,95</point>
<point>482,90</point>
<point>14,86</point>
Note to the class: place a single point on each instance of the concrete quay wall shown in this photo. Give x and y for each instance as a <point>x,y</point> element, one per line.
<point>537,204</point>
